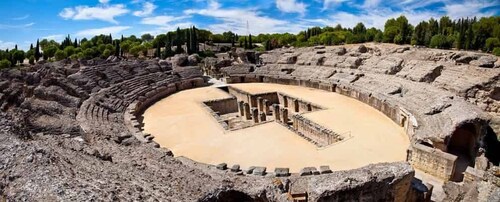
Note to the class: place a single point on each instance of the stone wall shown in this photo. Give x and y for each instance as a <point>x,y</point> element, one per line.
<point>433,161</point>
<point>314,132</point>
<point>303,106</point>
<point>223,106</point>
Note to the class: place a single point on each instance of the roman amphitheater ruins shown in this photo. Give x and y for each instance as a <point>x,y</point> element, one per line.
<point>363,122</point>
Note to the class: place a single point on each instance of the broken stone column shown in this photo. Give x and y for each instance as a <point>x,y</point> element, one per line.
<point>260,103</point>
<point>309,107</point>
<point>241,108</point>
<point>296,105</point>
<point>255,115</point>
<point>262,116</point>
<point>266,107</point>
<point>276,108</point>
<point>284,115</point>
<point>247,111</point>
<point>285,101</point>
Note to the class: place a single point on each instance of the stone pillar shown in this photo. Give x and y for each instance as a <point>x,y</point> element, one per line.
<point>241,108</point>
<point>247,111</point>
<point>309,107</point>
<point>285,101</point>
<point>266,107</point>
<point>255,115</point>
<point>296,105</point>
<point>260,103</point>
<point>276,109</point>
<point>284,115</point>
<point>262,117</point>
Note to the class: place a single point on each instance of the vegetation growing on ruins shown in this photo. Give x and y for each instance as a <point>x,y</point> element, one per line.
<point>464,34</point>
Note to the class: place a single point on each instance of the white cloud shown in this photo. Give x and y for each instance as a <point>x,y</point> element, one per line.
<point>161,20</point>
<point>147,9</point>
<point>105,13</point>
<point>235,20</point>
<point>21,17</point>
<point>7,26</point>
<point>375,18</point>
<point>106,30</point>
<point>104,1</point>
<point>7,45</point>
<point>371,3</point>
<point>291,6</point>
<point>469,8</point>
<point>328,3</point>
<point>55,37</point>
<point>167,28</point>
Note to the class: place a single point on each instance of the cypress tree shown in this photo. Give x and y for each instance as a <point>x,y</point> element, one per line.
<point>117,49</point>
<point>178,41</point>
<point>15,47</point>
<point>194,40</point>
<point>246,43</point>
<point>250,45</point>
<point>31,47</point>
<point>188,41</point>
<point>75,43</point>
<point>37,50</point>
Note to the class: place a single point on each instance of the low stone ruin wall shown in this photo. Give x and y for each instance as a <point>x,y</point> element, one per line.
<point>433,161</point>
<point>223,106</point>
<point>252,99</point>
<point>297,105</point>
<point>314,132</point>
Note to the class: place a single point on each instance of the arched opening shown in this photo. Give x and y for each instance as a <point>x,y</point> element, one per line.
<point>463,145</point>
<point>492,146</point>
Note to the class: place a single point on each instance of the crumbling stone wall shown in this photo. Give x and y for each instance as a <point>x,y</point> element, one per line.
<point>314,132</point>
<point>223,106</point>
<point>432,161</point>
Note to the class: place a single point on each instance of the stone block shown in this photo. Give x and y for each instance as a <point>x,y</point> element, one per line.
<point>308,171</point>
<point>235,168</point>
<point>250,170</point>
<point>263,117</point>
<point>325,169</point>
<point>281,172</point>
<point>261,171</point>
<point>222,166</point>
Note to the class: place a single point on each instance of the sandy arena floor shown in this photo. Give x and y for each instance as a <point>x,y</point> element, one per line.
<point>180,123</point>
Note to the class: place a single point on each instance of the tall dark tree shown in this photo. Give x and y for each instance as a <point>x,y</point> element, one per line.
<point>178,41</point>
<point>38,55</point>
<point>117,49</point>
<point>75,43</point>
<point>246,43</point>
<point>250,44</point>
<point>194,40</point>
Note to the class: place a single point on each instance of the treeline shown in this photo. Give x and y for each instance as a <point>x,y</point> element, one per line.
<point>463,34</point>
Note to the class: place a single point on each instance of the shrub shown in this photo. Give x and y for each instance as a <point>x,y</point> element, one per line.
<point>32,60</point>
<point>60,55</point>
<point>496,51</point>
<point>4,64</point>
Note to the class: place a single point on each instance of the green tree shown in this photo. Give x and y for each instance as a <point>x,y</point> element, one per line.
<point>69,50</point>
<point>492,43</point>
<point>147,37</point>
<point>38,55</point>
<point>32,60</point>
<point>107,53</point>
<point>439,41</point>
<point>60,55</point>
<point>4,64</point>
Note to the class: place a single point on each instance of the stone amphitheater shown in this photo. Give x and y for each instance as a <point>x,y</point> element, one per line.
<point>364,122</point>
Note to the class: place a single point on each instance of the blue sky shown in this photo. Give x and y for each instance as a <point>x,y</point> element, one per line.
<point>23,21</point>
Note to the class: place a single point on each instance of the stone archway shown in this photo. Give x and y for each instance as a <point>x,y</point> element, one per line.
<point>463,145</point>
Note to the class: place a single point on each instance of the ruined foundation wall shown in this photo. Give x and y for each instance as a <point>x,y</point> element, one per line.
<point>223,106</point>
<point>241,95</point>
<point>432,161</point>
<point>316,133</point>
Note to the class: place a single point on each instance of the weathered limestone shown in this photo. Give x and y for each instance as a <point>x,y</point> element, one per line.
<point>235,168</point>
<point>241,107</point>
<point>296,105</point>
<point>281,172</point>
<point>222,166</point>
<point>276,111</point>
<point>324,169</point>
<point>266,107</point>
<point>261,171</point>
<point>246,107</point>
<point>255,115</point>
<point>284,115</point>
<point>260,103</point>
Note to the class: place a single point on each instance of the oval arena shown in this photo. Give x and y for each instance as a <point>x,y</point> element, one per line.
<point>373,122</point>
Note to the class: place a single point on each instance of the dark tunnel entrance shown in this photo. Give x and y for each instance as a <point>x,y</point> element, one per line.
<point>463,145</point>
<point>492,146</point>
